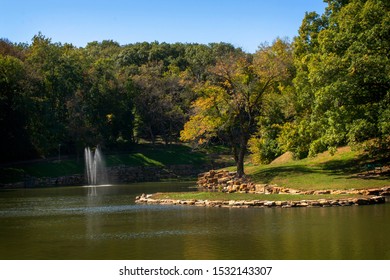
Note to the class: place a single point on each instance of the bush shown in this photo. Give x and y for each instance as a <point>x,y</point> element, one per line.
<point>263,150</point>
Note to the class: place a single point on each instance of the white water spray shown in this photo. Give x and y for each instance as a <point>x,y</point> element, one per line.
<point>95,167</point>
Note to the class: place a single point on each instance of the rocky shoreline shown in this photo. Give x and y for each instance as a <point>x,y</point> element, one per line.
<point>120,174</point>
<point>148,199</point>
<point>225,181</point>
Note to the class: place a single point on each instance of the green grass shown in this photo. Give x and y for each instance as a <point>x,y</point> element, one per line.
<point>342,171</point>
<point>139,155</point>
<point>246,196</point>
<point>159,155</point>
<point>41,169</point>
<point>324,171</point>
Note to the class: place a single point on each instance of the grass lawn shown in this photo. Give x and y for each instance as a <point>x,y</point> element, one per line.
<point>159,155</point>
<point>344,170</point>
<point>43,168</point>
<point>246,196</point>
<point>139,155</point>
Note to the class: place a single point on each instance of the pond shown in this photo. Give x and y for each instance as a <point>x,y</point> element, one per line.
<point>104,223</point>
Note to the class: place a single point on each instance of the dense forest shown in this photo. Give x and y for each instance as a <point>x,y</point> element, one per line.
<point>328,87</point>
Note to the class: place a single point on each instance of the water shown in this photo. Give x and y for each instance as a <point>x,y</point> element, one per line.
<point>95,167</point>
<point>66,223</point>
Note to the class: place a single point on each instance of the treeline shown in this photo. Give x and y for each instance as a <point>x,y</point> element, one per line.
<point>329,87</point>
<point>56,96</point>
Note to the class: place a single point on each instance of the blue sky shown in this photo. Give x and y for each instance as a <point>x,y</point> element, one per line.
<point>243,23</point>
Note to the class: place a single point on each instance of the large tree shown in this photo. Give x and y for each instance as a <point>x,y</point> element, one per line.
<point>159,103</point>
<point>342,80</point>
<point>230,102</point>
<point>14,105</point>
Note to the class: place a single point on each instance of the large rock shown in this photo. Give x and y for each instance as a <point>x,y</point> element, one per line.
<point>361,201</point>
<point>224,180</point>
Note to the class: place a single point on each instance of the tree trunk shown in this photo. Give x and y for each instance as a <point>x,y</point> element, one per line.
<point>240,164</point>
<point>152,136</point>
<point>241,156</point>
<point>235,153</point>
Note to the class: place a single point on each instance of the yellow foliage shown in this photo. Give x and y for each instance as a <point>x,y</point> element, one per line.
<point>110,118</point>
<point>199,128</point>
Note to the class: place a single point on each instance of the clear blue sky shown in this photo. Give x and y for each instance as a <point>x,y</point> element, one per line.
<point>244,23</point>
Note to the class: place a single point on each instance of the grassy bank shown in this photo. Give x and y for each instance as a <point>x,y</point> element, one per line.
<point>139,155</point>
<point>213,196</point>
<point>345,170</point>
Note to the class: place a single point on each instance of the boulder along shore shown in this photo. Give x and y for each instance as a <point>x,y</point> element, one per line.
<point>148,199</point>
<point>225,181</point>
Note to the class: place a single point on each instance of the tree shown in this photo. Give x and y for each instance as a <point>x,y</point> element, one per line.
<point>342,80</point>
<point>55,75</point>
<point>231,101</point>
<point>277,62</point>
<point>159,103</point>
<point>108,104</point>
<point>199,58</point>
<point>14,110</point>
<point>297,132</point>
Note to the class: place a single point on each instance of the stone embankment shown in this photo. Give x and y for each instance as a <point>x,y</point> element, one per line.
<point>148,199</point>
<point>223,180</point>
<point>226,181</point>
<point>130,174</point>
<point>29,181</point>
<point>116,175</point>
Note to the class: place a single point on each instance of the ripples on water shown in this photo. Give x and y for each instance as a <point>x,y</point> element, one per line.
<point>66,223</point>
<point>136,235</point>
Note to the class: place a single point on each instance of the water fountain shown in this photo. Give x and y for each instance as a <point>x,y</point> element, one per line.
<point>95,167</point>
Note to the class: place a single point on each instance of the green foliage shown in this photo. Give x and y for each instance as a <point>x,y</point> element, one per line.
<point>14,107</point>
<point>384,123</point>
<point>160,103</point>
<point>157,155</point>
<point>139,155</point>
<point>329,88</point>
<point>231,102</point>
<point>345,169</point>
<point>58,98</point>
<point>8,175</point>
<point>263,150</point>
<point>295,137</point>
<point>342,77</point>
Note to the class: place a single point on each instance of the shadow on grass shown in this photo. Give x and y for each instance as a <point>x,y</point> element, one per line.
<point>267,175</point>
<point>342,167</point>
<point>361,167</point>
<point>351,168</point>
<point>157,155</point>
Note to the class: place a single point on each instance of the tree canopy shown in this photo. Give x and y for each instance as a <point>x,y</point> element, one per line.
<point>342,82</point>
<point>230,102</point>
<point>329,86</point>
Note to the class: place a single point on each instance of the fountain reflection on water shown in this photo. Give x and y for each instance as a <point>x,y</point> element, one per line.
<point>95,167</point>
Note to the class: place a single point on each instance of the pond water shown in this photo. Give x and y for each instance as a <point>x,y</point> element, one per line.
<point>105,223</point>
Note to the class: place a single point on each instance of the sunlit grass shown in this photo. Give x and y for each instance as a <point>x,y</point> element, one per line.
<point>139,155</point>
<point>341,171</point>
<point>246,196</point>
<point>159,155</point>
